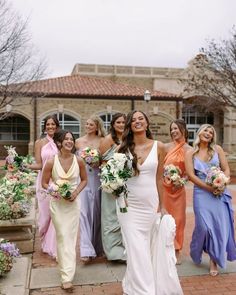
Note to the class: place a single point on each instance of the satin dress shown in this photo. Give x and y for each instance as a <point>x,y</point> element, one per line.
<point>46,229</point>
<point>111,233</point>
<point>65,217</point>
<point>175,199</point>
<point>90,215</point>
<point>214,220</point>
<point>137,226</point>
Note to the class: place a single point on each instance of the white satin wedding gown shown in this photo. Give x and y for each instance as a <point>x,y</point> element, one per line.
<point>138,228</point>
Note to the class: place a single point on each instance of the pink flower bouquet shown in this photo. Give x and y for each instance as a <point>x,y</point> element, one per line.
<point>172,175</point>
<point>217,179</point>
<point>91,157</point>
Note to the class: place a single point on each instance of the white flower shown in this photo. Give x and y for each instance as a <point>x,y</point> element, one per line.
<point>119,157</point>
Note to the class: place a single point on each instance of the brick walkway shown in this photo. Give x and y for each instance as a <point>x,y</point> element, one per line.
<point>223,284</point>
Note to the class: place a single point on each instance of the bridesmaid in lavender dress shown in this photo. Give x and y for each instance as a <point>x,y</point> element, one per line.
<point>45,149</point>
<point>214,215</point>
<point>90,216</point>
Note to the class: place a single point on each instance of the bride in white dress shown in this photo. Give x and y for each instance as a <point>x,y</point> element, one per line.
<point>144,200</point>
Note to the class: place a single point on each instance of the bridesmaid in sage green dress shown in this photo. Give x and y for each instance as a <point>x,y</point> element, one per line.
<point>65,167</point>
<point>111,232</point>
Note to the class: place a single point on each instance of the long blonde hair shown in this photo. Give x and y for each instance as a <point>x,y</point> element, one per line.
<point>212,144</point>
<point>100,126</point>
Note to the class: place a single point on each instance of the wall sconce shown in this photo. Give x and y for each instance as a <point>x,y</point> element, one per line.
<point>155,110</point>
<point>147,95</point>
<point>8,108</point>
<point>109,109</point>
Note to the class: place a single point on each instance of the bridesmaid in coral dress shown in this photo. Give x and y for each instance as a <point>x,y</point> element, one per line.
<point>45,148</point>
<point>66,167</point>
<point>175,197</point>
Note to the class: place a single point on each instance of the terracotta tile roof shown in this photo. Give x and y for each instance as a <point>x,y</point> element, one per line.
<point>84,86</point>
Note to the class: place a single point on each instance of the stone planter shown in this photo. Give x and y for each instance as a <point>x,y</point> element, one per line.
<point>20,231</point>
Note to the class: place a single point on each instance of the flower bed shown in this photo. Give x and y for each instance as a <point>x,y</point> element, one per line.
<point>16,187</point>
<point>7,253</point>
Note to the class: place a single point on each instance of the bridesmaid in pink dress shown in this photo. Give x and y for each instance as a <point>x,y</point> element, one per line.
<point>45,148</point>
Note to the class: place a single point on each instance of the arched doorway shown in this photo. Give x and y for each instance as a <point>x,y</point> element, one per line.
<point>15,131</point>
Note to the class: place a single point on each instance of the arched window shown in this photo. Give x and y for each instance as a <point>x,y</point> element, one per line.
<point>67,122</point>
<point>106,118</point>
<point>15,128</point>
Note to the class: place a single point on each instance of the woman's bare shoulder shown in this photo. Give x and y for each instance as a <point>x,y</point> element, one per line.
<point>189,151</point>
<point>41,142</point>
<point>187,147</point>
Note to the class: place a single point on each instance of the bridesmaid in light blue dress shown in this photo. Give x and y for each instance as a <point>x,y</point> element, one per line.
<point>90,216</point>
<point>111,233</point>
<point>65,212</point>
<point>214,216</point>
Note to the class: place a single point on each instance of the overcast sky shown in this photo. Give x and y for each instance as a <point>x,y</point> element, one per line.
<point>158,33</point>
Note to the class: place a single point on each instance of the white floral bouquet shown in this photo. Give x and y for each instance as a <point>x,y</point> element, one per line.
<point>114,175</point>
<point>91,157</point>
<point>59,190</point>
<point>7,253</point>
<point>217,179</point>
<point>172,175</point>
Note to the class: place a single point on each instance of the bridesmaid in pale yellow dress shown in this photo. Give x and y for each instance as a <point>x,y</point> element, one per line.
<point>65,212</point>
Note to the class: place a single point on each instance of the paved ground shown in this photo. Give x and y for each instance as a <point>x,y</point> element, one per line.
<point>194,280</point>
<point>38,274</point>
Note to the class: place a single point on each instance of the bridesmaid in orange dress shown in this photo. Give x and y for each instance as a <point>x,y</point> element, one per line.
<point>174,197</point>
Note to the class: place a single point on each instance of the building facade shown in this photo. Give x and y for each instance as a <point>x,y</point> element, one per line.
<point>74,99</point>
<point>104,90</point>
<point>169,80</point>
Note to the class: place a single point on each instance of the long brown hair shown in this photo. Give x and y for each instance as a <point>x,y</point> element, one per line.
<point>112,129</point>
<point>128,144</point>
<point>182,127</point>
<point>54,118</point>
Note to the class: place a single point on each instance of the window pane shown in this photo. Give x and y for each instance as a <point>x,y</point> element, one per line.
<point>67,122</point>
<point>15,128</point>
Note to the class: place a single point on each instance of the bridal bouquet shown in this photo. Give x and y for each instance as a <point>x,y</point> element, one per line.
<point>114,175</point>
<point>7,253</point>
<point>90,157</point>
<point>172,175</point>
<point>59,190</point>
<point>217,179</point>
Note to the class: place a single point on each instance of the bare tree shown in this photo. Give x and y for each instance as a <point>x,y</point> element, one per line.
<point>211,75</point>
<point>19,60</point>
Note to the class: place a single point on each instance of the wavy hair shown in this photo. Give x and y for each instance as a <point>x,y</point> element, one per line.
<point>112,129</point>
<point>55,120</point>
<point>128,144</point>
<point>60,135</point>
<point>182,127</point>
<point>211,145</point>
<point>100,126</point>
